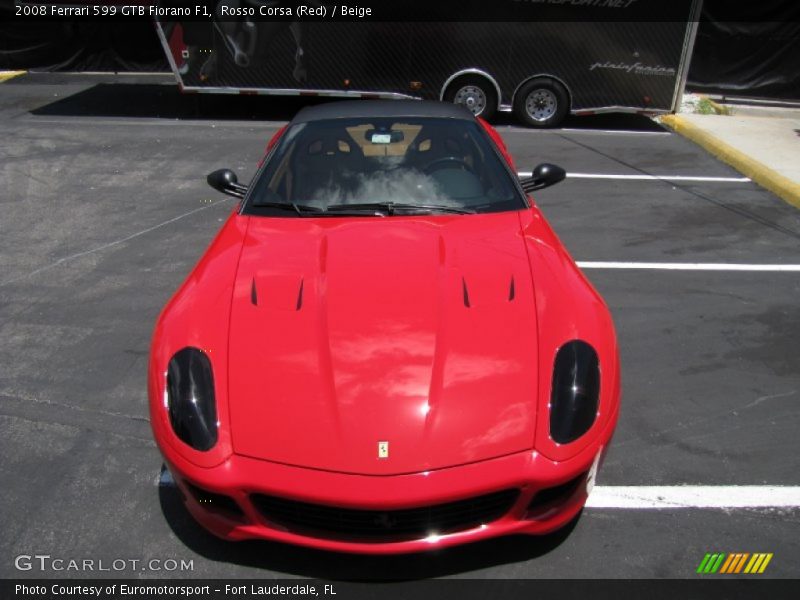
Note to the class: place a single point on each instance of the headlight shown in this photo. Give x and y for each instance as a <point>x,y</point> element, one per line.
<point>576,391</point>
<point>190,398</point>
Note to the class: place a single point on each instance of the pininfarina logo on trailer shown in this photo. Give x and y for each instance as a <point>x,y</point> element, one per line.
<point>734,563</point>
<point>636,68</point>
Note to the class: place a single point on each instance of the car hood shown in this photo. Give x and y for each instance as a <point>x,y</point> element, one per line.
<point>347,333</point>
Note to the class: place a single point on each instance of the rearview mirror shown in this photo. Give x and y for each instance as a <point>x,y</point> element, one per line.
<point>544,175</point>
<point>384,136</point>
<point>225,181</point>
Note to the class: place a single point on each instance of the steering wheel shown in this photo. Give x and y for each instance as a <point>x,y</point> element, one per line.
<point>441,163</point>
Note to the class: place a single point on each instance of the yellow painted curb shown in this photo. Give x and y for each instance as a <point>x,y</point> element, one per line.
<point>776,183</point>
<point>6,75</point>
<point>720,109</point>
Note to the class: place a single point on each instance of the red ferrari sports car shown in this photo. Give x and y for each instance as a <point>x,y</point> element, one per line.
<point>386,348</point>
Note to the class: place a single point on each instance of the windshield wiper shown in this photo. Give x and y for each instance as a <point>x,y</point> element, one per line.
<point>392,207</point>
<point>301,209</point>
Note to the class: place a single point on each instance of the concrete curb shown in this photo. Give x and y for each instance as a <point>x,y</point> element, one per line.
<point>776,183</point>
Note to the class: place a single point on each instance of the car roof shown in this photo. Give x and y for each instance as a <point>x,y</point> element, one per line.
<point>351,109</point>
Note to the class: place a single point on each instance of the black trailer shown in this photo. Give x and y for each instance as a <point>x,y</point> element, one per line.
<point>539,68</point>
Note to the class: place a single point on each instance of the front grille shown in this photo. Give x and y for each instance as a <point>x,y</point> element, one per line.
<point>384,525</point>
<point>549,497</point>
<point>218,503</point>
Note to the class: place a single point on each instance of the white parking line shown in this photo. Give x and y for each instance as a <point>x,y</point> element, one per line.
<point>687,266</point>
<point>659,177</point>
<point>648,177</point>
<point>616,131</point>
<point>518,129</point>
<point>695,496</point>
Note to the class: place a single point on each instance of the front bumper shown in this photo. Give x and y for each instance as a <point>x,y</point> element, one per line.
<point>224,499</point>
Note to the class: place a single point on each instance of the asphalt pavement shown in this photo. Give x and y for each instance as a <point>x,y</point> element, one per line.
<point>104,210</point>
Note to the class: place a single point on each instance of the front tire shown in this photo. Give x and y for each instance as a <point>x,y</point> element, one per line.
<point>475,93</point>
<point>542,102</point>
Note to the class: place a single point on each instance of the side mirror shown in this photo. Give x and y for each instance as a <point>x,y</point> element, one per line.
<point>544,175</point>
<point>225,181</point>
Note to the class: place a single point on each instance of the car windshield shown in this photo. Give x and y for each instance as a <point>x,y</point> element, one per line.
<point>388,165</point>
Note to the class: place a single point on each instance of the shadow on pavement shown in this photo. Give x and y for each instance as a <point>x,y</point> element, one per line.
<point>306,562</point>
<point>165,101</point>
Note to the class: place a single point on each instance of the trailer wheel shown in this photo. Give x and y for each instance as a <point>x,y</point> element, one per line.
<point>476,93</point>
<point>542,102</point>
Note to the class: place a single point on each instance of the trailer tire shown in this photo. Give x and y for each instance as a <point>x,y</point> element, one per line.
<point>474,92</point>
<point>541,102</point>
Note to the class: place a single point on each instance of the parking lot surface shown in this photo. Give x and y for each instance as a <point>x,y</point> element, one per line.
<point>104,210</point>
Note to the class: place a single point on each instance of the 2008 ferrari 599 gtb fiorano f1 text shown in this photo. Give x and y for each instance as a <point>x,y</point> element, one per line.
<point>386,348</point>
